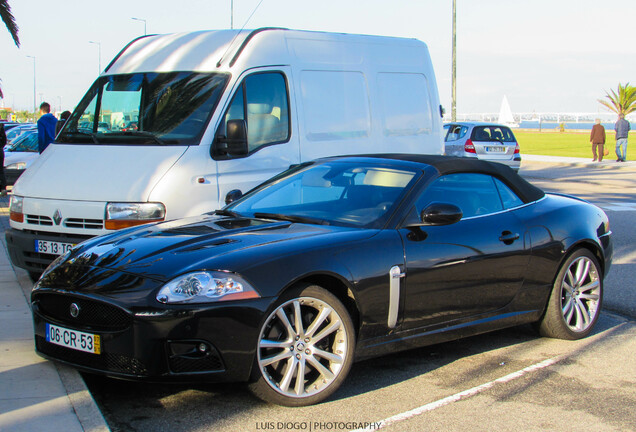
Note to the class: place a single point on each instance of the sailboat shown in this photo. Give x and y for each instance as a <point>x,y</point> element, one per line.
<point>505,114</point>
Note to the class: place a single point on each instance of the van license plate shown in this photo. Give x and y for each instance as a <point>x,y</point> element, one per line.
<point>51,247</point>
<point>496,149</point>
<point>73,339</point>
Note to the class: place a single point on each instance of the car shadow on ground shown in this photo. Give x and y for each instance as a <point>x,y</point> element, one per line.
<point>136,406</point>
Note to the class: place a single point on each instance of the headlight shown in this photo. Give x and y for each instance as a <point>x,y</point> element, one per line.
<point>206,287</point>
<point>15,208</point>
<point>124,215</point>
<point>16,166</point>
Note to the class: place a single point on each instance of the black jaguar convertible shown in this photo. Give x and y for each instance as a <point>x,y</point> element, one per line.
<point>329,262</point>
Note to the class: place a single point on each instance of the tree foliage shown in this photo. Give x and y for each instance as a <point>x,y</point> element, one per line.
<point>622,101</point>
<point>9,21</point>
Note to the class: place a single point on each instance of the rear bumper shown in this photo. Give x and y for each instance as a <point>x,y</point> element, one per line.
<point>21,248</point>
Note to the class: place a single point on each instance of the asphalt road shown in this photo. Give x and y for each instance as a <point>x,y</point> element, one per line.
<point>506,380</point>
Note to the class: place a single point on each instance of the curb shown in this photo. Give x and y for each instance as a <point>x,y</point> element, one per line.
<point>84,406</point>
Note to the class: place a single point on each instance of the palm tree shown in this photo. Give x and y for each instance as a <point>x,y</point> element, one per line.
<point>9,21</point>
<point>621,102</point>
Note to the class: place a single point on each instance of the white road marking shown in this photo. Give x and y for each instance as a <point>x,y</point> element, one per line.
<point>459,396</point>
<point>619,206</point>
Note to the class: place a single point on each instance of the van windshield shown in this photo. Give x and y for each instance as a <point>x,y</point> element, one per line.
<point>145,108</point>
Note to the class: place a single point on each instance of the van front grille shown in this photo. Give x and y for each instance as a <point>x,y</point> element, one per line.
<point>39,220</point>
<point>84,223</point>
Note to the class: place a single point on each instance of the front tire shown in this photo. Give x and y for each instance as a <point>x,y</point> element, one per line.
<point>305,348</point>
<point>575,302</point>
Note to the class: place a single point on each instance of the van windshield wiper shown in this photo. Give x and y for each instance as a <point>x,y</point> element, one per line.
<point>143,134</point>
<point>76,133</point>
<point>291,218</point>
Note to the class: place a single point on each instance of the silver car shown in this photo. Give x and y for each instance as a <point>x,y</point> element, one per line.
<point>488,141</point>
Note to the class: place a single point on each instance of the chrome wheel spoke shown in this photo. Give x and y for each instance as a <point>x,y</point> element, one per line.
<point>324,372</point>
<point>589,287</point>
<point>333,358</point>
<point>300,378</point>
<point>582,271</point>
<point>581,291</point>
<point>317,322</point>
<point>335,325</point>
<point>568,310</point>
<point>265,343</point>
<point>288,374</point>
<point>298,319</point>
<point>280,313</point>
<point>568,288</point>
<point>582,318</point>
<point>276,358</point>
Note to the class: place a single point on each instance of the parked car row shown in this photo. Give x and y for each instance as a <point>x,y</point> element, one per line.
<point>20,153</point>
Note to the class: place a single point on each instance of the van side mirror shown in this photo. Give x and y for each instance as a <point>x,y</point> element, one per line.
<point>235,143</point>
<point>441,214</point>
<point>233,195</point>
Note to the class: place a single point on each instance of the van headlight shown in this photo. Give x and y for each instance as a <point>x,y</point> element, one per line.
<point>124,215</point>
<point>206,287</point>
<point>15,208</point>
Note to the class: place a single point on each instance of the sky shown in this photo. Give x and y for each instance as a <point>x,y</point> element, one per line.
<point>543,55</point>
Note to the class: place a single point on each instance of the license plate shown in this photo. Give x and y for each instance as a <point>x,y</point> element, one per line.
<point>73,339</point>
<point>51,247</point>
<point>496,149</point>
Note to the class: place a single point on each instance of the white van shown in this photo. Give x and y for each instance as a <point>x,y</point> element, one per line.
<point>177,121</point>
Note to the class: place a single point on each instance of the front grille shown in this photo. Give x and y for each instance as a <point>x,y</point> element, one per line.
<point>39,220</point>
<point>84,223</point>
<point>104,362</point>
<point>210,362</point>
<point>93,315</point>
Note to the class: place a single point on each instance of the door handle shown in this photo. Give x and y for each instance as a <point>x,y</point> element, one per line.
<point>508,237</point>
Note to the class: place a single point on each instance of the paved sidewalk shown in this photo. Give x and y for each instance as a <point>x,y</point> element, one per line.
<point>607,163</point>
<point>35,394</point>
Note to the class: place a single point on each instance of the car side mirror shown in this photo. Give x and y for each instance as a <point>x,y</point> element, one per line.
<point>235,141</point>
<point>233,195</point>
<point>441,214</point>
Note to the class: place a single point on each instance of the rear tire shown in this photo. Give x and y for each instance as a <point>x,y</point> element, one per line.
<point>576,298</point>
<point>305,348</point>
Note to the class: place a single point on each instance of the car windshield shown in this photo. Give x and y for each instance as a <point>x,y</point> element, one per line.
<point>145,108</point>
<point>332,193</point>
<point>25,143</point>
<point>493,133</point>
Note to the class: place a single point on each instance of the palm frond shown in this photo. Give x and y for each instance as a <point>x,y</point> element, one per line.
<point>9,21</point>
<point>622,101</point>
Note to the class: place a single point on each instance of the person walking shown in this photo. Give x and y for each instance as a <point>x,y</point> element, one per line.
<point>597,139</point>
<point>3,179</point>
<point>622,128</point>
<point>46,127</point>
<point>62,121</point>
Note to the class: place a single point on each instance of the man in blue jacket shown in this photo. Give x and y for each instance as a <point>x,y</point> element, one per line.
<point>622,128</point>
<point>46,127</point>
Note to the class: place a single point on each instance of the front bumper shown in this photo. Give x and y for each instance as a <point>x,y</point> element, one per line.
<point>21,247</point>
<point>154,344</point>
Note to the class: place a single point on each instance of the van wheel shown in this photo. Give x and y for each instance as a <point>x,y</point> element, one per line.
<point>575,302</point>
<point>305,348</point>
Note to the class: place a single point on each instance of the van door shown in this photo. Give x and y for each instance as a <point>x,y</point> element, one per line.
<point>262,99</point>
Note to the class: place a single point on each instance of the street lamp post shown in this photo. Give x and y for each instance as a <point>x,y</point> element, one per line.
<point>35,109</point>
<point>454,78</point>
<point>141,19</point>
<point>99,48</point>
<point>231,14</point>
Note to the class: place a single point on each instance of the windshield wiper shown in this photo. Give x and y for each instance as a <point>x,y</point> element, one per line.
<point>140,134</point>
<point>222,212</point>
<point>90,134</point>
<point>291,218</point>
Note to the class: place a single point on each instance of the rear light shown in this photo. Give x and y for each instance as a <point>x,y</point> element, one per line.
<point>469,147</point>
<point>517,149</point>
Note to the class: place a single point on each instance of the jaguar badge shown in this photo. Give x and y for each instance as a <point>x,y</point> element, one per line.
<point>74,310</point>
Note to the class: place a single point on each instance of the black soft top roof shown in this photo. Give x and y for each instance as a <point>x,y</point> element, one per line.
<point>450,165</point>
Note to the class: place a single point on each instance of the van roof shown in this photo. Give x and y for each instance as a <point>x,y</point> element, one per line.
<point>219,50</point>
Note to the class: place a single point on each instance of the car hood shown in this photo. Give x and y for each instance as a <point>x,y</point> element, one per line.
<point>163,251</point>
<point>97,172</point>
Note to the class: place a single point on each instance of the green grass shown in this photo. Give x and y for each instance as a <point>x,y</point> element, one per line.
<point>573,144</point>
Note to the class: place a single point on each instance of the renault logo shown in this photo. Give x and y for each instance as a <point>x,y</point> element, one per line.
<point>57,217</point>
<point>74,310</point>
